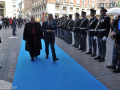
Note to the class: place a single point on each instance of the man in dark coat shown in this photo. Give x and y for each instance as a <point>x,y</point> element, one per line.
<point>49,28</point>
<point>33,35</point>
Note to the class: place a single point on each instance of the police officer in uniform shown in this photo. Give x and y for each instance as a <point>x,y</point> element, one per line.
<point>115,48</point>
<point>116,61</point>
<point>61,27</point>
<point>103,28</point>
<point>69,29</point>
<point>58,27</point>
<point>65,28</point>
<point>83,33</point>
<point>56,20</point>
<point>91,29</point>
<point>76,30</point>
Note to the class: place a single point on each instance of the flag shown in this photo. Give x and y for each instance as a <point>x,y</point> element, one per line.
<point>43,17</point>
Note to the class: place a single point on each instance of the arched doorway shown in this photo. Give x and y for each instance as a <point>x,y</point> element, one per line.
<point>1,10</point>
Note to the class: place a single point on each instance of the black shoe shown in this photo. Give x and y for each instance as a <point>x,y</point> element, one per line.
<point>32,58</point>
<point>89,53</point>
<point>55,59</point>
<point>46,56</point>
<point>83,50</point>
<point>76,47</point>
<point>14,34</point>
<point>93,55</point>
<point>97,58</point>
<point>35,56</point>
<point>101,60</point>
<point>116,71</point>
<point>80,49</point>
<point>73,45</point>
<point>112,67</point>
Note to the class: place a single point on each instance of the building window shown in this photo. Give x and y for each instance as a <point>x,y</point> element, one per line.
<point>58,1</point>
<point>14,5</point>
<point>65,1</point>
<point>101,5</point>
<point>56,8</point>
<point>78,2</point>
<point>83,9</point>
<point>83,2</point>
<point>77,9</point>
<point>71,9</point>
<point>64,8</point>
<point>92,4</point>
<point>1,6</point>
<point>88,2</point>
<point>71,1</point>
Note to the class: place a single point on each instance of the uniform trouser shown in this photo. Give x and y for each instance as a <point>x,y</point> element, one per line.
<point>92,44</point>
<point>57,32</point>
<point>76,37</point>
<point>83,41</point>
<point>64,34</point>
<point>73,39</point>
<point>101,48</point>
<point>80,40</point>
<point>69,37</point>
<point>60,33</point>
<point>116,56</point>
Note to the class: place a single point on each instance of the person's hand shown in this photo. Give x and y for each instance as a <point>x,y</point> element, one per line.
<point>104,38</point>
<point>95,37</point>
<point>48,30</point>
<point>53,31</point>
<point>113,33</point>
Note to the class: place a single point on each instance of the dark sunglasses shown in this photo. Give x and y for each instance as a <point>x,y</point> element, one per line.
<point>50,18</point>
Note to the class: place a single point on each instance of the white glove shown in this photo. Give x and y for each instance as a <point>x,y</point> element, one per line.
<point>95,37</point>
<point>68,27</point>
<point>104,38</point>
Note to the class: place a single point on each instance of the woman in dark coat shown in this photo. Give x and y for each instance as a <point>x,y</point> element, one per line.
<point>33,35</point>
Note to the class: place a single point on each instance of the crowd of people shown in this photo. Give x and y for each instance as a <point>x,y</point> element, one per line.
<point>13,22</point>
<point>97,31</point>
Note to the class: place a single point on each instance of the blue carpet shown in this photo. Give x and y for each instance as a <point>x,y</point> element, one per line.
<point>43,74</point>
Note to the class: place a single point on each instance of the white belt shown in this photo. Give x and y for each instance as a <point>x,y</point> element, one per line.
<point>92,30</point>
<point>76,27</point>
<point>82,28</point>
<point>101,29</point>
<point>58,25</point>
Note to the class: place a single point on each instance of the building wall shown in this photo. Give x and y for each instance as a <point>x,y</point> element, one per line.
<point>107,4</point>
<point>27,8</point>
<point>61,8</point>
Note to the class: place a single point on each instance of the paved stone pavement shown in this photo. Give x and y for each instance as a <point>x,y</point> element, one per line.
<point>9,51</point>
